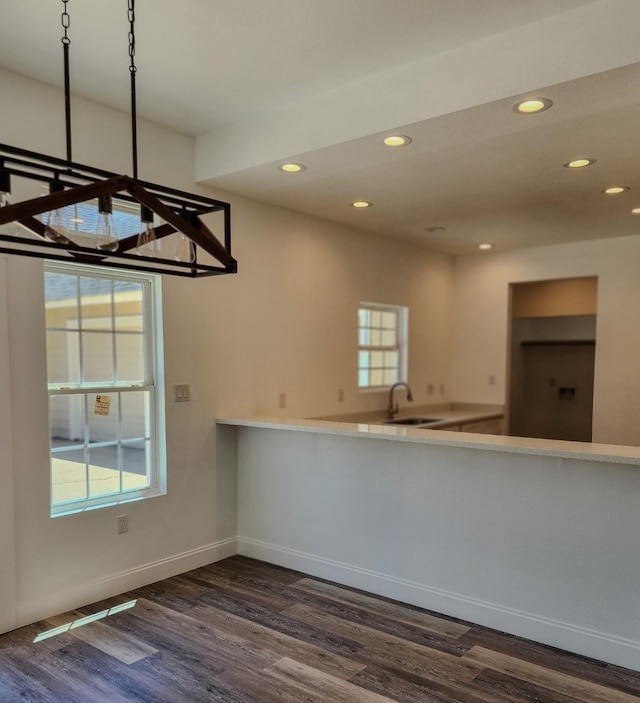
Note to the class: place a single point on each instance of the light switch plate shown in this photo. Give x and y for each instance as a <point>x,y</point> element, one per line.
<point>181,393</point>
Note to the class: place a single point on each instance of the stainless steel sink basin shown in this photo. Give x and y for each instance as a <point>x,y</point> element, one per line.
<point>413,421</point>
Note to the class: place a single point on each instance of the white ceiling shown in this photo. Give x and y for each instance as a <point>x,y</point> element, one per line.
<point>259,82</point>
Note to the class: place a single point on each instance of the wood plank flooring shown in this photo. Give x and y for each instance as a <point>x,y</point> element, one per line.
<point>241,631</point>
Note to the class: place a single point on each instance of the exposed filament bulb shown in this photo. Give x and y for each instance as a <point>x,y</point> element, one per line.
<point>106,238</point>
<point>147,243</point>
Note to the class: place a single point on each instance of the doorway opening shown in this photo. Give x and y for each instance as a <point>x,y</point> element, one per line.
<point>552,359</point>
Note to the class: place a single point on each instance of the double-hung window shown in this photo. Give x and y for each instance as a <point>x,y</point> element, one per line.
<point>382,345</point>
<point>106,400</point>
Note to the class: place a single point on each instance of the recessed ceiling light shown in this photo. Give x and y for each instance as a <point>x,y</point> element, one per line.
<point>485,247</point>
<point>635,211</point>
<point>361,204</point>
<point>533,105</point>
<point>396,140</point>
<point>292,168</point>
<point>615,190</point>
<point>579,163</point>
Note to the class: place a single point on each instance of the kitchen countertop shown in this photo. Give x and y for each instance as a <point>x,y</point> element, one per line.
<point>585,451</point>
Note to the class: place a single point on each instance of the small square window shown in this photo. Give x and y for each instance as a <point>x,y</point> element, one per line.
<point>382,345</point>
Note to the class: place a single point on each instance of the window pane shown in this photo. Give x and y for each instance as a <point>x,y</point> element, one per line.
<point>96,323</point>
<point>363,317</point>
<point>136,415</point>
<point>391,359</point>
<point>363,359</point>
<point>375,338</point>
<point>376,318</point>
<point>96,303</point>
<point>96,287</point>
<point>104,475</point>
<point>363,338</point>
<point>389,320</point>
<point>59,286</point>
<point>128,304</point>
<point>390,376</point>
<point>128,323</point>
<point>136,464</point>
<point>60,294</point>
<point>377,359</point>
<point>63,357</point>
<point>56,317</point>
<point>130,357</point>
<point>388,338</point>
<point>376,378</point>
<point>66,420</point>
<point>97,357</point>
<point>68,476</point>
<point>363,378</point>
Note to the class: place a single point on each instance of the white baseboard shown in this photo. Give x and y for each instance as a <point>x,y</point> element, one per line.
<point>567,636</point>
<point>114,584</point>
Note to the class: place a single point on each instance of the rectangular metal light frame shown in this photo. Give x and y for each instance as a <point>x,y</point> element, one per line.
<point>180,211</point>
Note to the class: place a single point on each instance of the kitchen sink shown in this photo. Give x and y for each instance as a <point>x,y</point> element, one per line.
<point>413,421</point>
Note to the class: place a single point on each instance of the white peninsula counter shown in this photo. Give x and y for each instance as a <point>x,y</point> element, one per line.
<point>534,537</point>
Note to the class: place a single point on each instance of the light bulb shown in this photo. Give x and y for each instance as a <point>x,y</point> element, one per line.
<point>105,237</point>
<point>185,249</point>
<point>147,242</point>
<point>56,227</point>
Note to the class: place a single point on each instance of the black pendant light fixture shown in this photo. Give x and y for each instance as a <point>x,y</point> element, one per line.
<point>48,226</point>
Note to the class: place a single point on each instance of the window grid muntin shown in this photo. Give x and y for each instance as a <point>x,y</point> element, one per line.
<point>153,430</point>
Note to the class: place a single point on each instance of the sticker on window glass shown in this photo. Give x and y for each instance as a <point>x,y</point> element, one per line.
<point>103,404</point>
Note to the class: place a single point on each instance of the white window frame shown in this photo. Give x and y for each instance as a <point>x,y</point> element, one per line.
<point>401,346</point>
<point>153,384</point>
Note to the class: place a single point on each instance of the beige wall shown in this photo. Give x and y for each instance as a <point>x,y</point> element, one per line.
<point>481,323</point>
<point>286,323</point>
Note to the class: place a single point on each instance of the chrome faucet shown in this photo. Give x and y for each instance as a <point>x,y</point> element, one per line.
<point>391,408</point>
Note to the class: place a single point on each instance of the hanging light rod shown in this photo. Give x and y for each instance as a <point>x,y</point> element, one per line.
<point>70,184</point>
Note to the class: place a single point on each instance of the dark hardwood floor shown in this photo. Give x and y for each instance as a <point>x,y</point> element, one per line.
<point>242,631</point>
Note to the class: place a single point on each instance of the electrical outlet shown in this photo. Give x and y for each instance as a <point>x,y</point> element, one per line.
<point>282,400</point>
<point>181,393</point>
<point>430,389</point>
<point>492,380</point>
<point>340,395</point>
<point>123,524</point>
